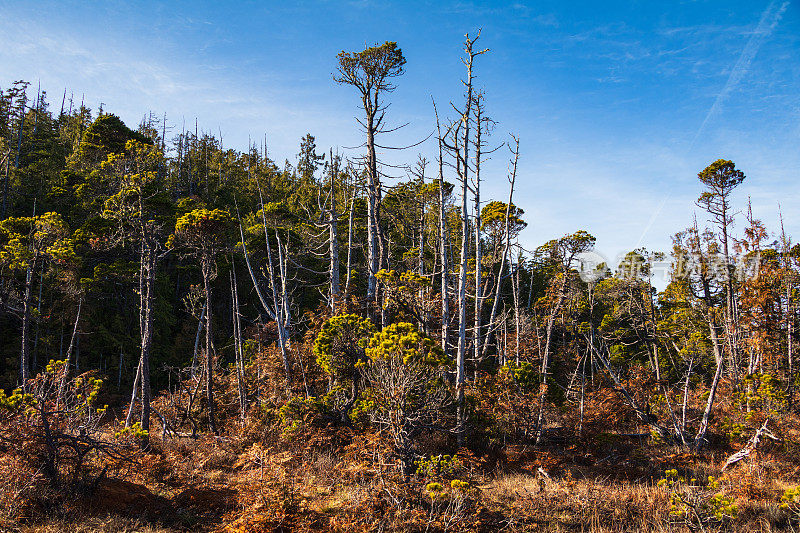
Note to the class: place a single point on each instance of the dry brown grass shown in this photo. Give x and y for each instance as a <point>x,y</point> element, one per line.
<point>530,502</point>
<point>537,503</point>
<point>208,486</point>
<point>109,524</point>
<point>342,479</point>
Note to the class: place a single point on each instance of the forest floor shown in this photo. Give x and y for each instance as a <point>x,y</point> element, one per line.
<point>612,484</point>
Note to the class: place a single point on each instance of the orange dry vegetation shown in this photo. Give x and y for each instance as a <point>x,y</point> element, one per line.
<point>318,474</point>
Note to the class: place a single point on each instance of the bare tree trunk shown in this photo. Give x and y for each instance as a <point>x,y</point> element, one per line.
<point>643,416</point>
<point>478,258</point>
<point>790,313</point>
<point>443,243</point>
<point>333,237</point>
<point>373,253</point>
<point>460,149</point>
<point>209,362</point>
<point>731,328</point>
<point>134,393</point>
<point>237,344</point>
<point>147,338</point>
<point>200,323</point>
<point>286,311</point>
<point>462,307</point>
<point>26,318</point>
<point>701,432</point>
<point>20,134</point>
<point>506,244</point>
<point>34,362</point>
<point>65,374</point>
<point>142,287</point>
<point>463,163</point>
<point>582,364</point>
<point>686,396</point>
<point>424,319</point>
<point>562,289</point>
<point>547,343</point>
<point>654,325</point>
<point>276,308</point>
<point>350,242</point>
<point>515,294</point>
<point>5,184</point>
<point>119,368</point>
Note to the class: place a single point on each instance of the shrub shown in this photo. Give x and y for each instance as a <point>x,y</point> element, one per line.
<point>339,350</point>
<point>55,429</point>
<point>409,392</point>
<point>790,501</point>
<point>697,506</point>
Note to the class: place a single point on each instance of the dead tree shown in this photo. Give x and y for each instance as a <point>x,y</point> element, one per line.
<point>134,209</point>
<point>275,309</point>
<point>65,373</point>
<point>333,235</point>
<point>238,346</point>
<point>459,146</point>
<point>348,271</point>
<point>329,224</point>
<point>512,179</point>
<point>483,125</point>
<point>702,284</point>
<point>443,248</point>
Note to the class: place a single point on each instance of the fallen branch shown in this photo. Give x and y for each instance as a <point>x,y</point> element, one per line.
<point>751,445</point>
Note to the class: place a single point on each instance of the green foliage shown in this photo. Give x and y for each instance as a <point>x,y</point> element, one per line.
<point>697,505</point>
<point>362,407</point>
<point>339,346</point>
<point>408,387</point>
<point>27,239</point>
<point>560,254</point>
<point>55,428</point>
<point>790,501</point>
<point>524,374</point>
<point>439,467</point>
<point>434,490</point>
<point>493,218</point>
<point>407,295</point>
<point>720,178</point>
<point>407,281</point>
<point>299,413</point>
<point>138,197</point>
<point>308,159</point>
<point>201,228</point>
<point>762,391</point>
<point>134,433</point>
<point>339,351</point>
<point>733,430</point>
<point>106,135</point>
<point>87,389</point>
<point>404,342</point>
<point>17,401</point>
<point>370,69</point>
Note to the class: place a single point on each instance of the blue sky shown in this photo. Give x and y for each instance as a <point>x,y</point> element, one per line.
<point>617,105</point>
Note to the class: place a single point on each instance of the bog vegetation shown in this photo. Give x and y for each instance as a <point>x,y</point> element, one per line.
<point>200,338</point>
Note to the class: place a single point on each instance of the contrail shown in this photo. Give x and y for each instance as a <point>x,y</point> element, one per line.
<point>652,220</point>
<point>769,20</point>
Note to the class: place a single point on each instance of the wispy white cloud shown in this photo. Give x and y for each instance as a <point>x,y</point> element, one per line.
<point>129,82</point>
<point>769,20</point>
<point>604,108</point>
